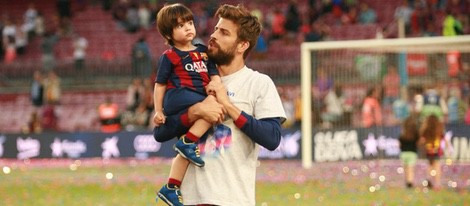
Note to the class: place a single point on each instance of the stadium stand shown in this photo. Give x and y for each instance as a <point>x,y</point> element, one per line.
<point>108,58</point>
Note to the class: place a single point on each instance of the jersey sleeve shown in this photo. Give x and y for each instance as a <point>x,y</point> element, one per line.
<point>163,69</point>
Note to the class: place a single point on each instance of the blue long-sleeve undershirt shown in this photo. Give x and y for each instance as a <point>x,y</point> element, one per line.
<point>265,132</point>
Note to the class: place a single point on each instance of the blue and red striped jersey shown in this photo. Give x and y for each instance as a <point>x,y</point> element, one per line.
<point>190,69</point>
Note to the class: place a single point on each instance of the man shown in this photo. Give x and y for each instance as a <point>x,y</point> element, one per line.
<point>251,101</point>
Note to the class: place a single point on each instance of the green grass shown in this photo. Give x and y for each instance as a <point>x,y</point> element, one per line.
<point>135,184</point>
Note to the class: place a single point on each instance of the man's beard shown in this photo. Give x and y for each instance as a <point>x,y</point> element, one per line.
<point>222,57</point>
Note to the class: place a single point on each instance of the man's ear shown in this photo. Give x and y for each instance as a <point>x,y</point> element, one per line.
<point>243,46</point>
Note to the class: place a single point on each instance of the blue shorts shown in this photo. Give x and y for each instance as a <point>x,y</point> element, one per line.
<point>179,99</point>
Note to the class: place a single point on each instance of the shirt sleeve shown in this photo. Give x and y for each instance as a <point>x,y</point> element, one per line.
<point>163,69</point>
<point>265,132</point>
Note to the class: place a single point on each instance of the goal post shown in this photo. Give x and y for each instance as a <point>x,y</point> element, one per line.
<point>340,59</point>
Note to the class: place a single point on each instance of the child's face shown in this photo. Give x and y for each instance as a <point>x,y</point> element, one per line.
<point>184,32</point>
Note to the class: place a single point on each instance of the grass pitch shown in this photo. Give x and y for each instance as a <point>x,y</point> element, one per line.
<point>280,183</point>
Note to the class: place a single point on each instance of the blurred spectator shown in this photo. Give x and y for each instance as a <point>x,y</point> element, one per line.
<point>34,124</point>
<point>451,25</point>
<point>391,85</point>
<point>49,118</point>
<point>323,82</point>
<point>431,103</point>
<point>334,107</point>
<point>141,59</point>
<point>261,48</point>
<point>371,109</point>
<point>456,107</point>
<point>49,40</point>
<point>253,6</point>
<point>109,116</point>
<point>37,89</point>
<point>119,12</point>
<point>80,45</point>
<point>293,21</point>
<point>404,12</point>
<point>136,120</point>
<point>52,88</point>
<point>144,15</point>
<point>30,20</point>
<point>350,17</point>
<point>432,130</point>
<point>132,18</point>
<point>408,139</point>
<point>318,31</point>
<point>288,106</point>
<point>135,93</point>
<point>277,25</point>
<point>148,94</point>
<point>10,50</point>
<point>21,38</point>
<point>39,28</point>
<point>367,15</point>
<point>401,107</point>
<point>9,30</point>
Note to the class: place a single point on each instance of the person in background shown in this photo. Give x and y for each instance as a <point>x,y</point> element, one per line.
<point>141,58</point>
<point>408,139</point>
<point>432,132</point>
<point>391,85</point>
<point>34,124</point>
<point>37,90</point>
<point>80,45</point>
<point>52,88</point>
<point>109,116</point>
<point>135,94</point>
<point>371,109</point>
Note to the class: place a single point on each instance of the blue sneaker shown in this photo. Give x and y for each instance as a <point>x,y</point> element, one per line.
<point>190,151</point>
<point>171,196</point>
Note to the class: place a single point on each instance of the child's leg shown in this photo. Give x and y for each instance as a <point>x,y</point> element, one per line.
<point>170,192</point>
<point>197,130</point>
<point>177,171</point>
<point>437,174</point>
<point>187,146</point>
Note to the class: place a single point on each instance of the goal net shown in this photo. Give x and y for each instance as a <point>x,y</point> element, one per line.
<point>355,66</point>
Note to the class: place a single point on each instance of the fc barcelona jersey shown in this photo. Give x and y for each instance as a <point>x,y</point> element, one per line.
<point>189,69</point>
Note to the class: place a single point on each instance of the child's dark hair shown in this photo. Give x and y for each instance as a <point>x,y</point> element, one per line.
<point>167,19</point>
<point>431,128</point>
<point>410,129</point>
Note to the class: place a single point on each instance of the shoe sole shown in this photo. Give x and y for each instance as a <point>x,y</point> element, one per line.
<point>181,153</point>
<point>163,198</point>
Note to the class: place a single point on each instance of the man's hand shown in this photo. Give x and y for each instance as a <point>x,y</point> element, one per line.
<point>209,110</point>
<point>218,89</point>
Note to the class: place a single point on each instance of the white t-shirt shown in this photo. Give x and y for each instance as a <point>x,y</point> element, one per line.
<point>229,175</point>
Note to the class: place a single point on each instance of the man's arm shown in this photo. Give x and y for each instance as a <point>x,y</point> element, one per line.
<point>265,132</point>
<point>177,125</point>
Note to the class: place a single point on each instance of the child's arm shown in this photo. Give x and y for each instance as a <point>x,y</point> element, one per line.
<point>158,94</point>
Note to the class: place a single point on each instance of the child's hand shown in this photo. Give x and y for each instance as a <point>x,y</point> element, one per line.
<point>159,118</point>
